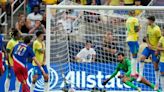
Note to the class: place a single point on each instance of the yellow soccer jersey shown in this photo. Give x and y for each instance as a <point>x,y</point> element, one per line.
<point>130,25</point>
<point>138,12</point>
<point>129,1</point>
<point>10,46</point>
<point>162,52</point>
<point>37,47</point>
<point>50,2</point>
<point>154,34</point>
<point>115,2</point>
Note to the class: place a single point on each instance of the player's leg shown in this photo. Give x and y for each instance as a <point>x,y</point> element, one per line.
<point>157,73</point>
<point>34,78</point>
<point>145,54</point>
<point>146,82</point>
<point>46,80</point>
<point>134,46</point>
<point>162,75</point>
<point>128,81</point>
<point>7,81</point>
<point>21,75</point>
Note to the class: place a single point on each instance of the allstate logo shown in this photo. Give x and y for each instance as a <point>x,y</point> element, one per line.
<point>39,85</point>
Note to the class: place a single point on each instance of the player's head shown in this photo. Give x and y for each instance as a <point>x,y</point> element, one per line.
<point>15,34</point>
<point>88,45</point>
<point>151,20</point>
<point>131,13</point>
<point>137,2</point>
<point>120,57</point>
<point>27,40</point>
<point>40,35</point>
<point>144,39</point>
<point>36,9</point>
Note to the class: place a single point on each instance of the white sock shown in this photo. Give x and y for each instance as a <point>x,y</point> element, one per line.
<point>17,85</point>
<point>134,66</point>
<point>162,82</point>
<point>7,85</point>
<point>32,87</point>
<point>46,87</point>
<point>141,69</point>
<point>157,75</point>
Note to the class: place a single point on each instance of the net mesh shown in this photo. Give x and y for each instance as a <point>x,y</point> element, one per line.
<point>70,29</point>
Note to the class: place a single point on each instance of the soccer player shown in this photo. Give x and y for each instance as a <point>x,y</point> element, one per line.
<point>133,27</point>
<point>161,49</point>
<point>20,54</point>
<point>1,55</point>
<point>153,36</point>
<point>39,50</point>
<point>10,73</point>
<point>125,65</point>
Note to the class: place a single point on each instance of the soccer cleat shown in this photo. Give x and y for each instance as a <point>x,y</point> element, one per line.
<point>139,89</point>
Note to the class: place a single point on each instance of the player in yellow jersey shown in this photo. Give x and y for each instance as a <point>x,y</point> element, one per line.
<point>133,27</point>
<point>39,50</point>
<point>153,36</point>
<point>161,49</point>
<point>10,73</point>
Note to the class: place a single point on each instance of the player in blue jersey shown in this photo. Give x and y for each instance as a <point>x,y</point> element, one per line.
<point>20,54</point>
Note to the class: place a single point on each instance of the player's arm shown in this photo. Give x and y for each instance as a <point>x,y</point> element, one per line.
<point>159,47</point>
<point>129,68</point>
<point>136,25</point>
<point>8,51</point>
<point>78,56</point>
<point>113,75</point>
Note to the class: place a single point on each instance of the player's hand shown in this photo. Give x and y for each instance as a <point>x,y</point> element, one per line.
<point>45,76</point>
<point>156,53</point>
<point>149,46</point>
<point>120,76</point>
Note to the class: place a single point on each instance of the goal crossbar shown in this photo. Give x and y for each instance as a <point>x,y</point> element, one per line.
<point>93,7</point>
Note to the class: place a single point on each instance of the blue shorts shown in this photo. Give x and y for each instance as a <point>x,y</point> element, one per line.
<point>134,47</point>
<point>9,72</point>
<point>37,71</point>
<point>147,52</point>
<point>161,66</point>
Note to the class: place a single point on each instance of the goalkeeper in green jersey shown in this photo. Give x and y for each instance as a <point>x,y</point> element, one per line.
<point>125,65</point>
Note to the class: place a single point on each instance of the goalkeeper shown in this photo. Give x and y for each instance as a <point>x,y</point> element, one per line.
<point>125,65</point>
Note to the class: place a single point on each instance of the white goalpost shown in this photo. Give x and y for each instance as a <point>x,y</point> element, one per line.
<point>69,27</point>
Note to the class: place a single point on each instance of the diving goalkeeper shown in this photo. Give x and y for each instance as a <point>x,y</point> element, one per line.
<point>125,65</point>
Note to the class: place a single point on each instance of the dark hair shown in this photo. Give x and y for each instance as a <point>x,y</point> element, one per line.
<point>120,54</point>
<point>36,6</point>
<point>152,18</point>
<point>27,39</point>
<point>144,39</point>
<point>39,33</point>
<point>88,42</point>
<point>14,32</point>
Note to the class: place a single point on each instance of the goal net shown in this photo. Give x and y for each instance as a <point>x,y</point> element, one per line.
<point>68,30</point>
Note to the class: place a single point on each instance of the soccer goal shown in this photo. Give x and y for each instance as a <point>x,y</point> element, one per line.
<point>69,28</point>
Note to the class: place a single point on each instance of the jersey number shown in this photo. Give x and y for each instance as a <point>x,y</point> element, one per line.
<point>21,50</point>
